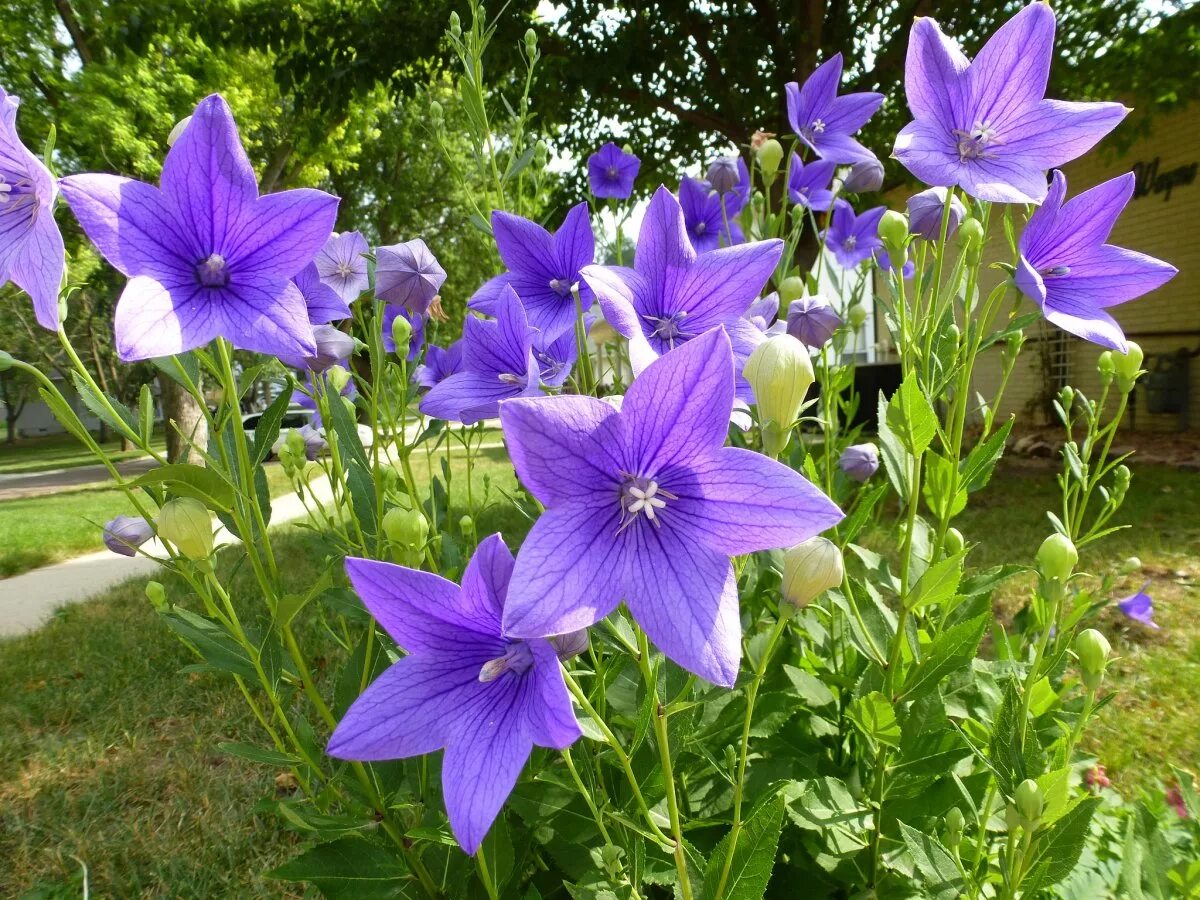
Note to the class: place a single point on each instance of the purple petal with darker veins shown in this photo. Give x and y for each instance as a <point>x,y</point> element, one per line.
<point>153,319</point>
<point>1053,132</point>
<point>485,582</point>
<point>625,297</point>
<point>574,242</point>
<point>1091,324</point>
<point>1012,68</point>
<point>1004,179</point>
<point>324,304</point>
<point>37,269</point>
<point>281,233</point>
<point>524,246</point>
<point>342,266</point>
<point>1109,276</point>
<point>663,239</point>
<point>1058,232</point>
<point>934,74</point>
<point>484,300</point>
<point>264,315</point>
<point>552,720</point>
<point>849,113</point>
<point>500,347</point>
<point>721,284</point>
<point>470,397</point>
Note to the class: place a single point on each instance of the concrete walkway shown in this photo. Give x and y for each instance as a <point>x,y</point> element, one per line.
<point>27,601</point>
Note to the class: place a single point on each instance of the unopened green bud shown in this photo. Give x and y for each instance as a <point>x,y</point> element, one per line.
<point>1122,475</point>
<point>1029,803</point>
<point>338,377</point>
<point>780,373</point>
<point>185,523</point>
<point>893,230</point>
<point>455,25</point>
<point>1093,649</point>
<point>1012,347</point>
<point>809,569</point>
<point>531,42</point>
<point>1056,558</point>
<point>791,288</point>
<point>541,153</point>
<point>1066,397</point>
<point>156,594</point>
<point>6,361</point>
<point>293,441</point>
<point>406,527</point>
<point>955,822</point>
<point>287,460</point>
<point>436,113</point>
<point>1107,367</point>
<point>1128,367</point>
<point>970,234</point>
<point>954,542</point>
<point>466,525</point>
<point>856,316</point>
<point>1130,565</point>
<point>953,333</point>
<point>770,155</point>
<point>401,334</point>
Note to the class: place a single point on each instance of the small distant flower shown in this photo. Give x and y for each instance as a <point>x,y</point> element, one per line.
<point>808,185</point>
<point>1174,798</point>
<point>543,269</point>
<point>342,265</point>
<point>925,214</point>
<point>647,505</point>
<point>417,322</point>
<point>486,698</point>
<point>884,261</point>
<point>323,303</point>
<point>205,255</point>
<point>985,125</point>
<point>1096,778</point>
<point>708,225</point>
<point>498,363</point>
<point>334,348</point>
<point>1067,268</point>
<point>557,358</point>
<point>125,534</point>
<point>763,314</point>
<point>723,175</point>
<point>853,239</point>
<point>864,177</point>
<point>408,275</point>
<point>439,364</point>
<point>1139,607</point>
<point>314,441</point>
<point>612,172</point>
<point>31,246</point>
<point>859,461</point>
<point>823,120</point>
<point>812,320</point>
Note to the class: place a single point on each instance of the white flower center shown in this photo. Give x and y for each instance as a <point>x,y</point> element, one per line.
<point>817,126</point>
<point>850,243</point>
<point>213,271</point>
<point>518,659</point>
<point>641,496</point>
<point>345,270</point>
<point>973,144</point>
<point>560,286</point>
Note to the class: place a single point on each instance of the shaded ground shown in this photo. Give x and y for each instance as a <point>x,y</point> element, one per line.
<point>32,484</point>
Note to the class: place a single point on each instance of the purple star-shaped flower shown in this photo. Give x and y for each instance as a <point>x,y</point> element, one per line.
<point>612,172</point>
<point>31,246</point>
<point>342,266</point>
<point>439,364</point>
<point>823,120</point>
<point>206,256</point>
<point>808,186</point>
<point>812,320</point>
<point>408,275</point>
<point>647,505</point>
<point>706,222</point>
<point>543,268</point>
<point>985,125</point>
<point>324,304</point>
<point>497,363</point>
<point>1067,268</point>
<point>485,698</point>
<point>673,295</point>
<point>557,358</point>
<point>1139,607</point>
<point>853,239</point>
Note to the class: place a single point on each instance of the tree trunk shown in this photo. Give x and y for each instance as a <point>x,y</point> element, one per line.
<point>10,425</point>
<point>182,415</point>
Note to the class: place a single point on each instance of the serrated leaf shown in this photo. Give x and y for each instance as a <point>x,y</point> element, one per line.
<point>349,866</point>
<point>911,417</point>
<point>935,866</point>
<point>183,368</point>
<point>976,470</point>
<point>753,857</point>
<point>876,718</point>
<point>215,646</point>
<point>188,480</point>
<point>1057,848</point>
<point>938,584</point>
<point>950,651</point>
<point>124,421</point>
<point>266,432</point>
<point>809,688</point>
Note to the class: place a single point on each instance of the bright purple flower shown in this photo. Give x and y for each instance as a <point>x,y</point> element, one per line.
<point>673,295</point>
<point>497,363</point>
<point>985,125</point>
<point>205,255</point>
<point>705,219</point>
<point>1139,607</point>
<point>612,172</point>
<point>334,348</point>
<point>1068,269</point>
<point>925,212</point>
<point>812,320</point>
<point>439,364</point>
<point>416,320</point>
<point>323,303</point>
<point>343,266</point>
<point>543,268</point>
<point>884,261</point>
<point>864,177</point>
<point>31,246</point>
<point>851,238</point>
<point>859,461</point>
<point>408,275</point>
<point>808,186</point>
<point>763,314</point>
<point>464,686</point>
<point>646,505</point>
<point>823,120</point>
<point>557,358</point>
<point>125,534</point>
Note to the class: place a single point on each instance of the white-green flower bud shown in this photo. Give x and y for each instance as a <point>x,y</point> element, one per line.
<point>954,542</point>
<point>1107,368</point>
<point>856,316</point>
<point>6,361</point>
<point>293,442</point>
<point>531,42</point>
<point>406,527</point>
<point>809,569</point>
<point>436,114</point>
<point>970,234</point>
<point>780,373</point>
<point>186,524</point>
<point>1130,565</point>
<point>770,155</point>
<point>1066,397</point>
<point>791,288</point>
<point>1093,649</point>
<point>156,594</point>
<point>178,130</point>
<point>1029,802</point>
<point>401,335</point>
<point>1128,367</point>
<point>955,822</point>
<point>338,377</point>
<point>541,153</point>
<point>1056,558</point>
<point>466,525</point>
<point>893,231</point>
<point>455,25</point>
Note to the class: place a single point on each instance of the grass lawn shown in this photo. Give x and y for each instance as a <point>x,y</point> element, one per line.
<point>60,451</point>
<point>107,752</point>
<point>37,531</point>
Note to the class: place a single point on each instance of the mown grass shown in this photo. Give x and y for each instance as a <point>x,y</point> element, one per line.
<point>60,451</point>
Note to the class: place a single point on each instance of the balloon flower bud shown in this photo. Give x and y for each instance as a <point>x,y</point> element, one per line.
<point>436,114</point>
<point>809,569</point>
<point>955,822</point>
<point>1028,800</point>
<point>1056,560</point>
<point>864,177</point>
<point>125,534</point>
<point>1107,367</point>
<point>1130,565</point>
<point>1093,649</point>
<point>408,275</point>
<point>530,42</point>
<point>1066,397</point>
<point>1012,818</point>
<point>925,212</point>
<point>570,645</point>
<point>406,527</point>
<point>792,288</point>
<point>541,152</point>
<point>723,175</point>
<point>178,130</point>
<point>859,461</point>
<point>401,334</point>
<point>893,230</point>
<point>1128,366</point>
<point>455,25</point>
<point>156,594</point>
<point>6,361</point>
<point>333,347</point>
<point>185,523</point>
<point>780,373</point>
<point>338,377</point>
<point>293,442</point>
<point>812,320</point>
<point>856,316</point>
<point>970,234</point>
<point>954,542</point>
<point>770,155</point>
<point>313,439</point>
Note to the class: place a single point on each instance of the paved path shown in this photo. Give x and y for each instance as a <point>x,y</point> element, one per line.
<point>27,601</point>
<point>30,484</point>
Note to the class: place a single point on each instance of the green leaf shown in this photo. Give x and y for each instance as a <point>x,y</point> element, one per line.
<point>809,688</point>
<point>910,416</point>
<point>876,718</point>
<point>266,432</point>
<point>183,368</point>
<point>988,580</point>
<point>976,470</point>
<point>146,413</point>
<point>188,480</point>
<point>258,754</point>
<point>348,867</point>
<point>944,499</point>
<point>213,644</point>
<point>345,429</point>
<point>64,414</point>
<point>1187,790</point>
<point>863,511</point>
<point>936,869</point>
<point>123,421</point>
<point>1057,849</point>
<point>753,858</point>
<point>1012,759</point>
<point>897,462</point>
<point>938,584</point>
<point>950,651</point>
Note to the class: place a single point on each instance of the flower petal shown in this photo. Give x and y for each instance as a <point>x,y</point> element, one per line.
<point>624,297</point>
<point>265,315</point>
<point>281,233</point>
<point>935,82</point>
<point>502,346</point>
<point>721,284</point>
<point>552,720</point>
<point>470,397</point>
<point>1004,178</point>
<point>812,99</point>
<point>927,149</point>
<point>38,267</point>
<point>1088,322</point>
<point>662,240</point>
<point>524,246</point>
<point>574,242</point>
<point>485,583</point>
<point>344,250</point>
<point>850,112</point>
<point>1012,68</point>
<point>1106,276</point>
<point>153,319</point>
<point>1077,225</point>
<point>1051,133</point>
<point>484,300</point>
